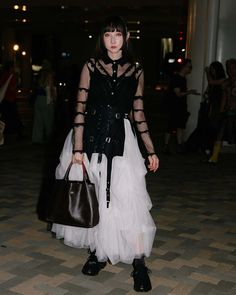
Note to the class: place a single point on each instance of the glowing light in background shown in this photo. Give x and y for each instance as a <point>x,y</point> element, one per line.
<point>16,47</point>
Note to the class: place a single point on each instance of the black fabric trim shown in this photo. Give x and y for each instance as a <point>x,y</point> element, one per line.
<point>138,97</point>
<point>79,113</point>
<point>83,89</point>
<point>145,131</point>
<point>139,70</point>
<point>77,151</point>
<point>83,102</point>
<point>78,124</point>
<point>140,122</point>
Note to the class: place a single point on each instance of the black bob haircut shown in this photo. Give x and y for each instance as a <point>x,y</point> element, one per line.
<point>114,24</point>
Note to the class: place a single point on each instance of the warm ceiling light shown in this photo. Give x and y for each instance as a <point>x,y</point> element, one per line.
<point>23,53</point>
<point>24,20</point>
<point>24,7</point>
<point>16,7</point>
<point>16,47</point>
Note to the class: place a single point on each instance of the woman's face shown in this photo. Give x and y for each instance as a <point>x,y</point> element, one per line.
<point>232,70</point>
<point>212,71</point>
<point>187,69</point>
<point>113,41</point>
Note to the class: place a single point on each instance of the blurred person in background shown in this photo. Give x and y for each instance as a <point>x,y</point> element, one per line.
<point>216,76</point>
<point>8,106</point>
<point>177,105</point>
<point>45,98</point>
<point>228,111</point>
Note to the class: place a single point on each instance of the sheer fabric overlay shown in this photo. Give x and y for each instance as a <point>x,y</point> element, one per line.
<point>137,113</point>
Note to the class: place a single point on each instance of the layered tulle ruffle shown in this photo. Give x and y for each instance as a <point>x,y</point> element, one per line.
<point>126,229</point>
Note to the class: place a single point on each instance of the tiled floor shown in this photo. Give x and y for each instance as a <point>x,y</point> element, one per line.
<point>194,251</point>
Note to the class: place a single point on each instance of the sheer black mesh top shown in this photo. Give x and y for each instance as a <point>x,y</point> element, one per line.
<point>109,92</point>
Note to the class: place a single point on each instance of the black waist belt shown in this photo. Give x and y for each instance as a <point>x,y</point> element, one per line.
<point>108,112</point>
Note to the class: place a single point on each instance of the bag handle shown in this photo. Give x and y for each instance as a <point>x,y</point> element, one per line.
<point>66,176</point>
<point>85,173</point>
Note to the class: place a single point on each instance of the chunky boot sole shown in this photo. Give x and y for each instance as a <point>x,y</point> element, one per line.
<point>92,267</point>
<point>141,278</point>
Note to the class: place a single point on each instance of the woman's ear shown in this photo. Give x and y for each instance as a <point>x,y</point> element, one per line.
<point>128,35</point>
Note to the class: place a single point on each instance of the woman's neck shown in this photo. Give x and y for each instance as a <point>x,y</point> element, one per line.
<point>115,56</point>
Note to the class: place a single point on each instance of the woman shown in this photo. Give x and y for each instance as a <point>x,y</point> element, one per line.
<point>228,112</point>
<point>178,114</point>
<point>44,105</point>
<point>110,95</point>
<point>215,76</point>
<point>8,107</point>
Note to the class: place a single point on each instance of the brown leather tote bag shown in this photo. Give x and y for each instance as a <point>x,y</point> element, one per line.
<point>74,202</point>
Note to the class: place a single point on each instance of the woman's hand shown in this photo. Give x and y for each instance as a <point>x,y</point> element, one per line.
<point>77,158</point>
<point>153,162</point>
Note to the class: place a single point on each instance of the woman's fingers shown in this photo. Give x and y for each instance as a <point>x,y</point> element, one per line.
<point>153,163</point>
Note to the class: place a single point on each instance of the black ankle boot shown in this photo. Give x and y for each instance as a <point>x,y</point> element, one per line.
<point>92,265</point>
<point>140,275</point>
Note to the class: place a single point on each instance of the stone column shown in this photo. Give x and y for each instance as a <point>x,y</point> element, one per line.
<point>202,33</point>
<point>226,41</point>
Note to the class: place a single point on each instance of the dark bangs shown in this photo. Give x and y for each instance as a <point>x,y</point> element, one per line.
<point>113,24</point>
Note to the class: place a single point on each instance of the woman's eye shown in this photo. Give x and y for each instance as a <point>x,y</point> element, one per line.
<point>118,34</point>
<point>106,35</point>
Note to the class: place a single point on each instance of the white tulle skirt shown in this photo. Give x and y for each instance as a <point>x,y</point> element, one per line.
<point>126,229</point>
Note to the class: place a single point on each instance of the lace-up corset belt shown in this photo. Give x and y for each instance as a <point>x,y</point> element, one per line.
<point>104,134</point>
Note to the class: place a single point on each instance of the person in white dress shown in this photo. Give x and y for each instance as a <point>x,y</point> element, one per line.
<point>109,117</point>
